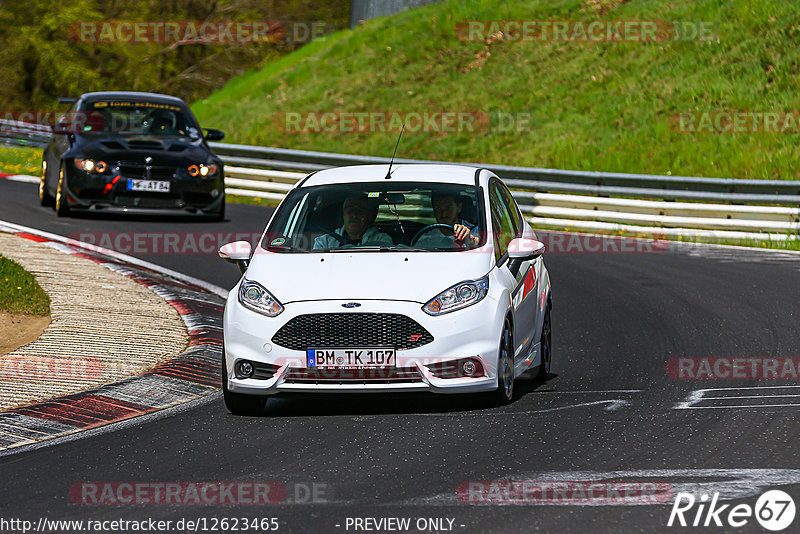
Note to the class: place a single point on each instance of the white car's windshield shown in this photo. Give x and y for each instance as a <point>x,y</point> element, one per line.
<point>379,215</point>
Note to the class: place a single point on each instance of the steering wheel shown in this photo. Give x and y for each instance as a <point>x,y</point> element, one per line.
<point>426,229</point>
<point>341,239</point>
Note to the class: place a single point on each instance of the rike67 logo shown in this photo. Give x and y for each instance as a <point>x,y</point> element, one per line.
<point>774,510</point>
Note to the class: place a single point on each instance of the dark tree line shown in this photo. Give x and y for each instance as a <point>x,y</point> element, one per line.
<point>42,55</point>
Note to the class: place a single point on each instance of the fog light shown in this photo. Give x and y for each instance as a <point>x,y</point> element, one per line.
<point>462,368</point>
<point>244,369</point>
<point>469,368</point>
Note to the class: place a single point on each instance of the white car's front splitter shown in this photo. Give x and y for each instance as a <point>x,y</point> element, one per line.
<point>427,382</point>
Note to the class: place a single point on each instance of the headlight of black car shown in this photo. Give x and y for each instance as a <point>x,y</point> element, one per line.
<point>90,165</point>
<point>203,170</point>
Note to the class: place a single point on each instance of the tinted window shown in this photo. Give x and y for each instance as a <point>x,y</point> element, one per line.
<point>502,224</point>
<point>139,118</point>
<point>511,206</point>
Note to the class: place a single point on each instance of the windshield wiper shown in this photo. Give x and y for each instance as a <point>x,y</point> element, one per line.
<point>285,248</point>
<point>373,248</point>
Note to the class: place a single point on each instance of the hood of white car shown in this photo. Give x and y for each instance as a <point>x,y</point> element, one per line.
<point>413,276</point>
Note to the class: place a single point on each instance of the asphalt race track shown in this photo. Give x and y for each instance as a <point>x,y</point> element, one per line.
<point>609,412</point>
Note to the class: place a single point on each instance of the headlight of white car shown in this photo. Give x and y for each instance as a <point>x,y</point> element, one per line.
<point>457,297</point>
<point>254,296</point>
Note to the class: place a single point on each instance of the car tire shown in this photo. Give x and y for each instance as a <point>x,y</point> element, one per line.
<point>545,347</point>
<point>62,209</point>
<point>220,215</point>
<point>505,368</point>
<point>45,199</point>
<point>239,404</point>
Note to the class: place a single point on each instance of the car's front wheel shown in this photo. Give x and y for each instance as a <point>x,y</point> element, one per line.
<point>546,347</point>
<point>44,196</point>
<point>220,215</point>
<point>505,368</point>
<point>239,404</point>
<point>62,209</point>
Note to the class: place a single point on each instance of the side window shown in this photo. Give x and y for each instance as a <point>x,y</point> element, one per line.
<point>502,225</point>
<point>516,219</point>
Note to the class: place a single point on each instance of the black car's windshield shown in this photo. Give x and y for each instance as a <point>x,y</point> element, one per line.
<point>136,118</point>
<point>381,216</point>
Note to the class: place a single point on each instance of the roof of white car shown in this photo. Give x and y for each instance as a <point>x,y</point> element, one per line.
<point>407,172</point>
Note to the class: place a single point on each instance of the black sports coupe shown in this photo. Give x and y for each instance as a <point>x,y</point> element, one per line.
<point>132,153</point>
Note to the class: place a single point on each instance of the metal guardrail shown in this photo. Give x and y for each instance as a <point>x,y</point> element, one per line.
<point>370,9</point>
<point>23,133</point>
<point>717,207</point>
<point>723,190</point>
<point>682,205</point>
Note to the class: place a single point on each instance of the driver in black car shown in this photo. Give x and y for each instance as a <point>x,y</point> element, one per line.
<point>358,228</point>
<point>162,123</point>
<point>447,210</point>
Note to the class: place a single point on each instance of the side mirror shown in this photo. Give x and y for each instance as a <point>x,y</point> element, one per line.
<point>521,249</point>
<point>525,249</point>
<point>214,135</point>
<point>237,252</point>
<point>61,127</point>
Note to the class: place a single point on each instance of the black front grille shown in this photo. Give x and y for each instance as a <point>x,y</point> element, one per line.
<point>378,375</point>
<point>138,170</point>
<point>143,199</point>
<point>322,330</point>
<point>194,197</point>
<point>91,194</point>
<point>263,371</point>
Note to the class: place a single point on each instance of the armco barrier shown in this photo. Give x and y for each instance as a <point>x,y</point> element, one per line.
<point>678,205</point>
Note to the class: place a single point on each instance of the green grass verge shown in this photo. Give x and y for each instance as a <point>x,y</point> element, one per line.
<point>238,199</point>
<point>21,160</point>
<point>19,291</point>
<point>607,106</point>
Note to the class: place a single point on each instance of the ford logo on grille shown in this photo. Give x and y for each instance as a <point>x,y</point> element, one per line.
<point>351,305</point>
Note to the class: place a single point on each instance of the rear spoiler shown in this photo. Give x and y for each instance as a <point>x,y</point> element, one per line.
<point>66,100</point>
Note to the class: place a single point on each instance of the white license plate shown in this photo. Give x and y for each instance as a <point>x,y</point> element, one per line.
<point>148,185</point>
<point>351,358</point>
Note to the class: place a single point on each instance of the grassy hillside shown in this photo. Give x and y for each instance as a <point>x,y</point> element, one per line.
<point>607,106</point>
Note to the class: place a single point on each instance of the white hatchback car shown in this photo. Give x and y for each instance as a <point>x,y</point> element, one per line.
<point>425,279</point>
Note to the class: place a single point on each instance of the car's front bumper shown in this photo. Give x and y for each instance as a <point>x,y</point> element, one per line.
<point>473,332</point>
<point>99,193</point>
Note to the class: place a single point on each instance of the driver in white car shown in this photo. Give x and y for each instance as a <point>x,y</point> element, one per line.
<point>358,229</point>
<point>447,210</point>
